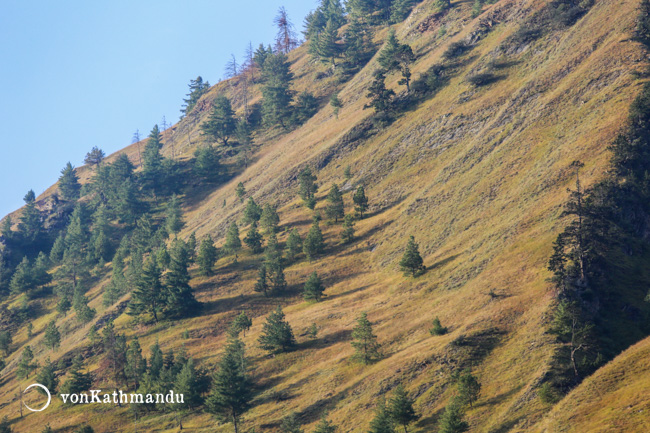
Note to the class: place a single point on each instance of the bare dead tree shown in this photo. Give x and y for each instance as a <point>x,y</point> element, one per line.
<point>232,67</point>
<point>285,40</point>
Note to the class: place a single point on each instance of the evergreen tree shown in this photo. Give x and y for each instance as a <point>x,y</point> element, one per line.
<point>233,243</point>
<point>188,384</point>
<point>468,387</point>
<point>272,252</point>
<point>347,235</point>
<point>174,218</point>
<point>163,259</point>
<point>437,328</point>
<point>382,422</point>
<point>21,281</point>
<point>115,349</point>
<point>358,47</point>
<point>276,96</point>
<point>335,208</point>
<point>5,426</point>
<point>85,429</point>
<point>26,363</point>
<point>231,393</point>
<point>277,281</point>
<point>78,381</point>
<point>365,342</point>
<point>47,429</point>
<point>574,333</point>
<point>336,104</point>
<point>277,335</point>
<point>401,408</point>
<point>291,424</point>
<point>324,426</point>
<point>52,335</point>
<point>94,157</point>
<point>152,165</point>
<point>324,44</point>
<point>305,108</point>
<point>270,219</point>
<point>262,284</point>
<point>313,288</point>
<point>397,57</point>
<point>254,239</point>
<point>240,191</point>
<point>252,212</point>
<point>136,365</point>
<point>242,323</point>
<point>118,285</point>
<point>30,226</point>
<point>191,246</point>
<point>412,263</point>
<point>47,377</point>
<point>206,163</point>
<point>148,295</point>
<point>308,187</point>
<point>452,420</point>
<point>5,342</point>
<point>294,245</point>
<point>197,89</point>
<point>207,257</point>
<point>69,183</point>
<point>381,98</point>
<point>314,243</point>
<point>221,122</point>
<point>180,296</point>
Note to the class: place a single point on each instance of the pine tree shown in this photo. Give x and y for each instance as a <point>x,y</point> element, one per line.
<point>197,89</point>
<point>242,323</point>
<point>335,208</point>
<point>187,383</point>
<point>324,46</point>
<point>291,424</point>
<point>262,284</point>
<point>277,281</point>
<point>5,342</point>
<point>314,243</point>
<point>381,98</point>
<point>305,107</point>
<point>115,349</point>
<point>47,377</point>
<point>148,295</point>
<point>324,426</point>
<point>277,335</point>
<point>174,217</point>
<point>69,183</point>
<point>78,381</point>
<point>270,219</point>
<point>252,212</point>
<point>358,47</point>
<point>233,243</point>
<point>207,257</point>
<point>180,296</point>
<point>30,226</point>
<point>574,333</point>
<point>365,342</point>
<point>221,122</point>
<point>276,95</point>
<point>163,258</point>
<point>452,420</point>
<point>313,288</point>
<point>412,263</point>
<point>5,426</point>
<point>272,251</point>
<point>191,246</point>
<point>231,393</point>
<point>382,422</point>
<point>136,365</point>
<point>347,235</point>
<point>94,157</point>
<point>336,104</point>
<point>437,328</point>
<point>206,163</point>
<point>254,239</point>
<point>401,408</point>
<point>240,191</point>
<point>26,363</point>
<point>294,245</point>
<point>52,336</point>
<point>308,187</point>
<point>21,281</point>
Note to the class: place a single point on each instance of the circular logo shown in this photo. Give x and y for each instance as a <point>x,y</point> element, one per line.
<point>47,391</point>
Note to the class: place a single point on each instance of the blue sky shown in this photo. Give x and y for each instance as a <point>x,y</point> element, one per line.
<point>78,74</point>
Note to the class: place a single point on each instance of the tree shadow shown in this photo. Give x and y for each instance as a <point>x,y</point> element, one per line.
<point>441,263</point>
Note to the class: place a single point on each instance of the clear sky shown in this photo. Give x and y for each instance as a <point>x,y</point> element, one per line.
<point>78,74</point>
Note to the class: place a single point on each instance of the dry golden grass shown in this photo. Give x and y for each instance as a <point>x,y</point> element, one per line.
<point>478,176</point>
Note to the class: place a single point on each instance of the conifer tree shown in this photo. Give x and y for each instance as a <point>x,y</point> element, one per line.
<point>291,424</point>
<point>207,257</point>
<point>468,387</point>
<point>324,44</point>
<point>308,187</point>
<point>78,381</point>
<point>5,342</point>
<point>401,408</point>
<point>277,281</point>
<point>382,422</point>
<point>191,246</point>
<point>5,426</point>
<point>136,365</point>
<point>148,296</point>
<point>324,426</point>
<point>242,323</point>
<point>240,191</point>
<point>272,251</point>
<point>52,335</point>
<point>452,420</point>
<point>335,208</point>
<point>47,377</point>
<point>365,342</point>
<point>197,89</point>
<point>206,162</point>
<point>396,56</point>
<point>174,217</point>
<point>94,157</point>
<point>233,243</point>
<point>294,245</point>
<point>314,243</point>
<point>21,281</point>
<point>221,122</point>
<point>254,239</point>
<point>412,263</point>
<point>69,183</point>
<point>188,384</point>
<point>347,235</point>
<point>381,98</point>
<point>437,328</point>
<point>231,393</point>
<point>277,335</point>
<point>252,212</point>
<point>276,93</point>
<point>30,226</point>
<point>163,258</point>
<point>26,363</point>
<point>336,104</point>
<point>358,48</point>
<point>270,219</point>
<point>314,288</point>
<point>180,296</point>
<point>152,165</point>
<point>262,284</point>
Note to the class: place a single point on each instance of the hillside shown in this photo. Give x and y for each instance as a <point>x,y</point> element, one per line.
<point>478,174</point>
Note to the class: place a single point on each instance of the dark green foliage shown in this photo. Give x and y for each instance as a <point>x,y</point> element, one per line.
<point>277,281</point>
<point>396,56</point>
<point>231,392</point>
<point>477,8</point>
<point>547,394</point>
<point>336,104</point>
<point>308,187</point>
<point>401,408</point>
<point>276,102</point>
<point>381,98</point>
<point>277,335</point>
<point>206,163</point>
<point>30,226</point>
<point>272,252</point>
<point>323,45</point>
<point>180,296</point>
<point>136,365</point>
<point>115,349</point>
<point>84,429</point>
<point>47,429</point>
<point>233,243</point>
<point>412,263</point>
<point>188,383</point>
<point>358,47</point>
<point>399,10</point>
<point>324,426</point>
<point>240,191</point>
<point>291,424</point>
<point>154,175</point>
<point>5,426</point>
<point>52,335</point>
<point>5,342</point>
<point>305,108</point>
<point>94,157</point>
<point>452,419</point>
<point>443,5</point>
<point>47,377</point>
<point>21,281</point>
<point>220,125</point>
<point>313,290</point>
<point>262,284</point>
<point>148,295</point>
<point>174,216</point>
<point>382,422</point>
<point>191,246</point>
<point>197,89</point>
<point>347,234</point>
<point>69,183</point>
<point>437,328</point>
<point>574,332</point>
<point>456,49</point>
<point>314,244</point>
<point>78,381</point>
<point>163,258</point>
<point>207,257</point>
<point>270,219</point>
<point>26,363</point>
<point>293,245</point>
<point>335,208</point>
<point>365,341</point>
<point>253,239</point>
<point>261,54</point>
<point>643,23</point>
<point>242,323</point>
<point>468,388</point>
<point>252,212</point>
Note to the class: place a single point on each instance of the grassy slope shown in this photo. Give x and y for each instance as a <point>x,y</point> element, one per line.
<point>477,175</point>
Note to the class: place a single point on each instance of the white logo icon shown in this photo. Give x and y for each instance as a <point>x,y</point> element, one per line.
<point>47,391</point>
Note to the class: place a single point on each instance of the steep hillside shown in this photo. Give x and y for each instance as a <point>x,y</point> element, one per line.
<point>478,174</point>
